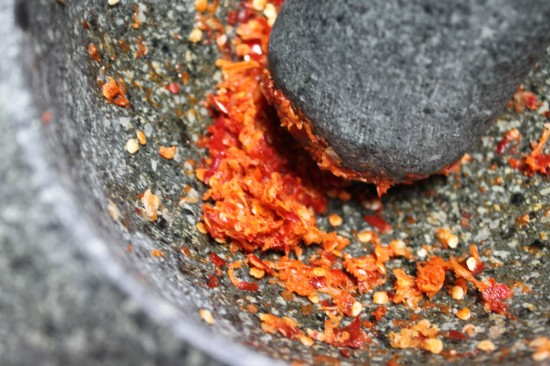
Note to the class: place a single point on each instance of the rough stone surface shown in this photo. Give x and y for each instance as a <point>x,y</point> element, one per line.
<point>63,251</point>
<point>57,306</point>
<point>401,87</point>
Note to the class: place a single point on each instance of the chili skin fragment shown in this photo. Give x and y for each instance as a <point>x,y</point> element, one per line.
<point>351,336</point>
<point>495,294</point>
<point>217,260</point>
<point>379,223</point>
<point>213,281</point>
<point>114,92</point>
<point>431,276</point>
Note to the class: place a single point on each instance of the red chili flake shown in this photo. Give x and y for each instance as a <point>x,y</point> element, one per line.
<point>379,313</point>
<point>93,52</point>
<point>455,335</point>
<point>394,361</point>
<point>321,359</point>
<point>258,263</point>
<point>465,221</point>
<point>318,282</point>
<point>325,303</point>
<point>114,92</point>
<point>217,260</point>
<point>157,253</point>
<point>536,161</point>
<point>350,336</point>
<point>379,223</point>
<point>366,271</point>
<point>241,15</point>
<point>285,326</point>
<point>431,276</point>
<point>524,99</point>
<point>406,290</point>
<point>307,309</point>
<point>241,285</point>
<point>530,100</point>
<point>247,286</point>
<point>287,295</point>
<point>173,88</point>
<point>345,353</point>
<point>213,281</point>
<point>288,331</point>
<point>509,137</point>
<point>515,163</point>
<point>252,309</point>
<point>495,294</point>
<point>123,45</point>
<point>480,266</point>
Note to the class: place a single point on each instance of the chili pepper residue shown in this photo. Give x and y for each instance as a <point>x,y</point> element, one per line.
<point>265,194</point>
<point>524,99</point>
<point>536,162</point>
<point>114,92</point>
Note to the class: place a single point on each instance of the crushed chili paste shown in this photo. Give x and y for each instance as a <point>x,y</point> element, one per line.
<point>265,193</point>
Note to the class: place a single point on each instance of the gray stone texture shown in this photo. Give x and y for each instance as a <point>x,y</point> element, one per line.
<point>401,87</point>
<point>72,294</point>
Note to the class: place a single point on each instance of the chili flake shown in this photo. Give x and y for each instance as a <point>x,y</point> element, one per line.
<point>94,53</point>
<point>167,152</point>
<point>173,88</point>
<point>114,92</point>
<point>379,223</point>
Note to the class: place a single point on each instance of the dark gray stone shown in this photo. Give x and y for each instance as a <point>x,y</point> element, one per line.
<point>401,87</point>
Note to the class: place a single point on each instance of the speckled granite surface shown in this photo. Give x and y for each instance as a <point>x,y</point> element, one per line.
<point>60,310</point>
<point>56,308</point>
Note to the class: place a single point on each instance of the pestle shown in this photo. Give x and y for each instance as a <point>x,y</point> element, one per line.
<point>397,90</point>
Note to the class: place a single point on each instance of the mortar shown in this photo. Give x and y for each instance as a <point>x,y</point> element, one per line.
<point>82,145</point>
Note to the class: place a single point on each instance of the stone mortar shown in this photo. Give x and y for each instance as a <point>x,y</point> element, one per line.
<point>83,147</point>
